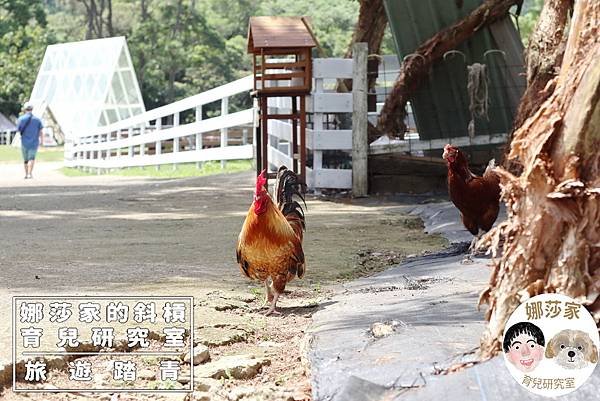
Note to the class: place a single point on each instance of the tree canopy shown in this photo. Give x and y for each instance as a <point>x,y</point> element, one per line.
<point>179,47</point>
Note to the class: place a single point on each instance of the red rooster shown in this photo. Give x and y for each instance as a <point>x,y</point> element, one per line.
<point>269,247</point>
<point>477,198</point>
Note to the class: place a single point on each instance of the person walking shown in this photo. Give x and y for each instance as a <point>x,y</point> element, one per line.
<point>30,128</point>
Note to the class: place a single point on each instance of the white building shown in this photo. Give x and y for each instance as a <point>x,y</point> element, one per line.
<point>87,84</point>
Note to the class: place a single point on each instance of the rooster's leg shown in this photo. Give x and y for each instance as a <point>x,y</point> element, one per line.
<point>268,294</point>
<point>272,310</point>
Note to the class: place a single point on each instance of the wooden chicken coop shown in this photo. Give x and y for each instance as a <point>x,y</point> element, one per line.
<point>282,66</point>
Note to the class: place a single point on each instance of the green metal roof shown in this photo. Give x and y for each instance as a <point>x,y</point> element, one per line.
<point>441,105</point>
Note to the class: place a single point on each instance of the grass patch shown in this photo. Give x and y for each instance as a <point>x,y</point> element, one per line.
<point>10,154</point>
<point>183,170</point>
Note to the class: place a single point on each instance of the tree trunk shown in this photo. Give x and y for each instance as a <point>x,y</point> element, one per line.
<point>552,236</point>
<point>544,56</point>
<point>416,68</point>
<point>109,20</point>
<point>369,29</point>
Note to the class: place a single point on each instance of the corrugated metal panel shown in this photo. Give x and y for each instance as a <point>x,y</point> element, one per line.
<point>441,105</point>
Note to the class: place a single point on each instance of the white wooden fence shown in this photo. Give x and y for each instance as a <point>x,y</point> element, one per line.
<point>319,138</point>
<point>141,140</point>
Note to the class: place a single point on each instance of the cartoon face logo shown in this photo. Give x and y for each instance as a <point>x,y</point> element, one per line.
<point>524,346</point>
<point>572,349</point>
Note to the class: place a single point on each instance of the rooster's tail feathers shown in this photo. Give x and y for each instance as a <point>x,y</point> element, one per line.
<point>288,185</point>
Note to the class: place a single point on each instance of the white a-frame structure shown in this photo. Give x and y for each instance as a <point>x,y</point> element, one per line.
<point>87,84</point>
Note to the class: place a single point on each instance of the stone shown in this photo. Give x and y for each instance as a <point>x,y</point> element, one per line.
<point>146,374</point>
<point>240,392</point>
<point>215,337</point>
<point>201,354</point>
<point>379,330</point>
<point>206,384</point>
<point>233,366</point>
<point>174,397</point>
<point>102,379</point>
<point>269,344</point>
<point>200,396</point>
<point>223,304</point>
<point>209,317</point>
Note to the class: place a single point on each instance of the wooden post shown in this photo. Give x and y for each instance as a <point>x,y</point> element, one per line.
<point>303,137</point>
<point>175,140</point>
<point>158,149</point>
<point>264,141</point>
<point>360,142</point>
<point>224,131</point>
<point>130,151</point>
<point>143,145</point>
<point>258,135</point>
<point>198,136</point>
<point>245,136</point>
<point>317,126</point>
<point>119,136</point>
<point>293,152</point>
<point>108,150</point>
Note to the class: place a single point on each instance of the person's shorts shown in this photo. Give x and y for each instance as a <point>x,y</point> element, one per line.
<point>28,153</point>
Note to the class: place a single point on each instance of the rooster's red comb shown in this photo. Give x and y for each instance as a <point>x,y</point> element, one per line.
<point>261,180</point>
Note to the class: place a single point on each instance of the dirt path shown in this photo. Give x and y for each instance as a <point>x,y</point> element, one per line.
<point>115,235</point>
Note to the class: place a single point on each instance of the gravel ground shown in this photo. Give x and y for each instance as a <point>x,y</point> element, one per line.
<point>105,235</point>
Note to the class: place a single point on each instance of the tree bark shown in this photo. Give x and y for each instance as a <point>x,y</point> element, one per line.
<point>416,68</point>
<point>552,236</point>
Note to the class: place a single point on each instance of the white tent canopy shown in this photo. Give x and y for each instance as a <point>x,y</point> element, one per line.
<point>87,84</point>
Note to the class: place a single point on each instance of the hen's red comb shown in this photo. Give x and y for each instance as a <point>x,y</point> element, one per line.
<point>261,180</point>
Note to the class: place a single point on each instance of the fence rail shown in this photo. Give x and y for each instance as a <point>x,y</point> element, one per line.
<point>142,140</point>
<point>322,102</point>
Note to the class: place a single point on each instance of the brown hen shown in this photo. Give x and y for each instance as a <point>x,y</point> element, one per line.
<point>476,197</point>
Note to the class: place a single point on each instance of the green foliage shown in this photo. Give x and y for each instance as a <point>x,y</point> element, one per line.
<point>23,40</point>
<point>15,14</point>
<point>179,47</point>
<point>177,54</point>
<point>526,22</point>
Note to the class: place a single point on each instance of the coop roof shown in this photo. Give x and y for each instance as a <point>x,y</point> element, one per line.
<point>278,32</point>
<point>87,84</point>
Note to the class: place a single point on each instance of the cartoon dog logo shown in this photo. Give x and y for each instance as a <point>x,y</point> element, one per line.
<point>524,346</point>
<point>572,349</point>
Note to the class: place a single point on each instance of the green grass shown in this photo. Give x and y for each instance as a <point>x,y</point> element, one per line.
<point>166,171</point>
<point>10,154</point>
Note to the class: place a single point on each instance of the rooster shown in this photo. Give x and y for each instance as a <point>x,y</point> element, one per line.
<point>477,198</point>
<point>269,247</point>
